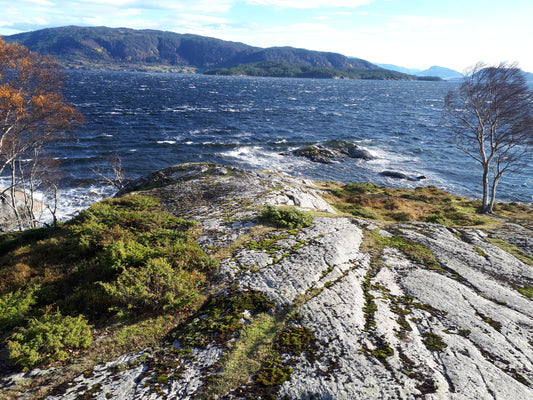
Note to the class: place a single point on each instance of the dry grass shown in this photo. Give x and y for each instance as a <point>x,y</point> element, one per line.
<point>424,204</point>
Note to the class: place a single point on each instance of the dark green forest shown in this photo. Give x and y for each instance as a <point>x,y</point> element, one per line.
<point>290,70</point>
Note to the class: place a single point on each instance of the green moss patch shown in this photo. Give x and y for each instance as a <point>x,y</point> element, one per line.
<point>220,318</point>
<point>526,291</point>
<point>433,341</point>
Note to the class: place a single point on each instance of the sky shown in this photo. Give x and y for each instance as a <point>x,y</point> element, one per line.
<point>410,33</point>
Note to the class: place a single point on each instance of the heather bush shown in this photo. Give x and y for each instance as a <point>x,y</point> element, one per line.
<point>47,339</point>
<point>15,306</point>
<point>286,217</point>
<point>155,286</point>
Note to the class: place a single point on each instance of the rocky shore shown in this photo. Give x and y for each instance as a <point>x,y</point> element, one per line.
<point>383,311</point>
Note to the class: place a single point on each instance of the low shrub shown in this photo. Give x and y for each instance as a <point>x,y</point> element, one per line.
<point>155,285</point>
<point>401,216</point>
<point>361,188</point>
<point>119,258</point>
<point>358,211</point>
<point>286,217</point>
<point>15,306</point>
<point>46,339</point>
<point>436,219</point>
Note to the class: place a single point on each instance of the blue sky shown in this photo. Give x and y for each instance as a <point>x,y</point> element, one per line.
<point>410,33</point>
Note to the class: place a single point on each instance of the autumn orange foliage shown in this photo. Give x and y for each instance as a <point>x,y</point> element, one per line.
<point>33,113</point>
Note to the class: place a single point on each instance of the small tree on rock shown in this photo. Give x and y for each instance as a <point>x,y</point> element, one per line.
<point>491,115</point>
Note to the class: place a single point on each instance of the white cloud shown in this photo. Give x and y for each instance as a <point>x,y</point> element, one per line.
<point>39,2</point>
<point>416,21</point>
<point>201,19</point>
<point>303,4</point>
<point>111,3</point>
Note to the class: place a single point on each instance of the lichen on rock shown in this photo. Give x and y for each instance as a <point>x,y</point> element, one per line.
<point>351,318</point>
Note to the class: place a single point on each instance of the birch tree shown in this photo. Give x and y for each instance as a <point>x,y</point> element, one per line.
<point>491,115</point>
<point>33,113</point>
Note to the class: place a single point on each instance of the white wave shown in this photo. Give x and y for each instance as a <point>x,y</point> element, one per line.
<point>259,157</point>
<point>69,201</point>
<point>166,142</point>
<point>73,200</point>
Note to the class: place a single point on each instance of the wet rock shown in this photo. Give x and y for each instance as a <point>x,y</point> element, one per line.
<point>349,149</point>
<point>8,217</point>
<point>401,175</point>
<point>361,153</point>
<point>333,150</point>
<point>317,153</point>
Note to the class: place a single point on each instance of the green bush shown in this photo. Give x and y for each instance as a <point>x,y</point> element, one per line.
<point>436,219</point>
<point>155,285</point>
<point>46,339</point>
<point>361,188</point>
<point>15,306</point>
<point>401,216</point>
<point>286,217</point>
<point>358,211</point>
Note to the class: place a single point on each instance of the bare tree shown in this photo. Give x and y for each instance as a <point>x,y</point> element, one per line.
<point>491,115</point>
<point>33,113</point>
<point>113,174</point>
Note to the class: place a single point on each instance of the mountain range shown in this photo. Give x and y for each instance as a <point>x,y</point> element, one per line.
<point>441,72</point>
<point>128,49</point>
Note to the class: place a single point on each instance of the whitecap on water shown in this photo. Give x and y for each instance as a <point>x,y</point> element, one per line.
<point>259,157</point>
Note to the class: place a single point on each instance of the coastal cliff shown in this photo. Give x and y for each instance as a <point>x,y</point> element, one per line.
<point>342,308</point>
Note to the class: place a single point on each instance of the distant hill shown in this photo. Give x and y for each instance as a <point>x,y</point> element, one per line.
<point>441,72</point>
<point>129,49</point>
<point>403,70</point>
<point>294,70</point>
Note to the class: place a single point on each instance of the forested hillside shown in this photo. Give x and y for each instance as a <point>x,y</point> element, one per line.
<point>129,49</point>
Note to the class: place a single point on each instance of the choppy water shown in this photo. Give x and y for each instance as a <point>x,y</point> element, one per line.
<point>155,120</point>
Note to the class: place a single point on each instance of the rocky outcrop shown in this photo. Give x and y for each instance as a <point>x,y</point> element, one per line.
<point>333,150</point>
<point>401,175</point>
<point>8,217</point>
<point>385,322</point>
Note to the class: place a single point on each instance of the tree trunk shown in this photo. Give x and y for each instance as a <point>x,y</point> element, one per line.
<point>493,193</point>
<point>485,205</point>
<point>14,196</point>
